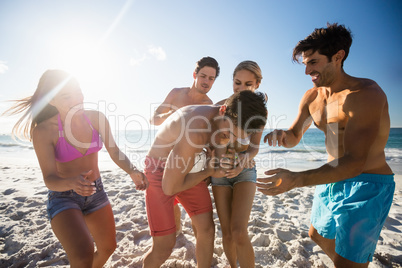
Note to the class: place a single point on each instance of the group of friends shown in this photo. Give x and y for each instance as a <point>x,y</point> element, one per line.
<point>201,143</point>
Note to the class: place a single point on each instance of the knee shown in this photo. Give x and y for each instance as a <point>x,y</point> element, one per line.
<point>313,234</point>
<point>107,249</point>
<point>208,230</point>
<point>82,257</point>
<point>240,235</point>
<point>227,234</point>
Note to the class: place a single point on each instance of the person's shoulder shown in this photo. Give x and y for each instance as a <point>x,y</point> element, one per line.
<point>179,90</point>
<point>96,118</point>
<point>312,91</point>
<point>46,129</point>
<point>370,84</point>
<point>94,115</point>
<point>311,94</point>
<point>367,87</point>
<point>363,92</point>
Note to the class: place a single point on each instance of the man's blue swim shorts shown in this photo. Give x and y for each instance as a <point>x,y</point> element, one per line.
<point>353,213</point>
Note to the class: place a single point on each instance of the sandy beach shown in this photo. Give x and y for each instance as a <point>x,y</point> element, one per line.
<point>278,226</point>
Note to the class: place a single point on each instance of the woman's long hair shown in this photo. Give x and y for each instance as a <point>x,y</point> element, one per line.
<point>36,108</point>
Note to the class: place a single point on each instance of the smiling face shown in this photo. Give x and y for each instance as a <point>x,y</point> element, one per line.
<point>321,70</point>
<point>204,79</point>
<point>69,97</point>
<point>244,80</point>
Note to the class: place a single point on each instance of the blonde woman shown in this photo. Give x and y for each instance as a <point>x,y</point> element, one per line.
<point>234,193</point>
<point>66,140</point>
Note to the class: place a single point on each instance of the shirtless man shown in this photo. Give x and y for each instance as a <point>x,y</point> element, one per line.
<point>355,188</point>
<point>171,158</point>
<point>205,73</point>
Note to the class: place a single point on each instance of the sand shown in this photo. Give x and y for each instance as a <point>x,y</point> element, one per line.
<point>278,226</point>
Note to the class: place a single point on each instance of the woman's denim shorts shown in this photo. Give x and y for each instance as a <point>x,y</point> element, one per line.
<point>60,201</point>
<point>247,174</point>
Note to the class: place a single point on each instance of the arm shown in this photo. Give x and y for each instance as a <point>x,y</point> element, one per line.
<point>254,146</point>
<point>176,177</point>
<point>245,160</point>
<point>117,155</point>
<point>44,149</point>
<point>293,135</point>
<point>363,110</point>
<point>164,110</point>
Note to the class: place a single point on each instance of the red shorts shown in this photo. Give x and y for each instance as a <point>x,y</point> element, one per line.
<point>195,201</point>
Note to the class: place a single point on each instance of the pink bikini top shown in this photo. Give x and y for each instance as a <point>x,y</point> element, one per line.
<point>65,152</point>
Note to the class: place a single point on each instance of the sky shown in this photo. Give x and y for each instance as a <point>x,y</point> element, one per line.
<point>128,54</point>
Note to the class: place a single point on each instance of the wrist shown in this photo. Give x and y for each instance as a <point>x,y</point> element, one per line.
<point>300,179</point>
<point>132,170</point>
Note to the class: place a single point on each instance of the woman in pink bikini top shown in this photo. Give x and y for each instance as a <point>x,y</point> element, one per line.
<point>65,152</point>
<point>67,140</point>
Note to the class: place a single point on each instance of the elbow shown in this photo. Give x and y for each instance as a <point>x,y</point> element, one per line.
<point>157,123</point>
<point>155,120</point>
<point>115,154</point>
<point>168,189</point>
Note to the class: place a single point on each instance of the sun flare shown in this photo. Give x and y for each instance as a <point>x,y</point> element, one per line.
<point>91,63</point>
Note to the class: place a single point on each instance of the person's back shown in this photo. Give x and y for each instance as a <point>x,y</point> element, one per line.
<point>185,122</point>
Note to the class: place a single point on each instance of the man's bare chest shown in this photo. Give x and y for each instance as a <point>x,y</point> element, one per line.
<point>328,111</point>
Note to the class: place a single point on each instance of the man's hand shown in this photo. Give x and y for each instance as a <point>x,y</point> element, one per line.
<point>282,181</point>
<point>230,161</point>
<point>213,166</point>
<point>276,137</point>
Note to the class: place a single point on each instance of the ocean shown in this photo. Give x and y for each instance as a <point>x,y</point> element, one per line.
<point>309,153</point>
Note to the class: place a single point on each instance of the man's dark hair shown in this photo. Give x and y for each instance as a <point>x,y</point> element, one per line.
<point>207,61</point>
<point>247,110</point>
<point>327,41</point>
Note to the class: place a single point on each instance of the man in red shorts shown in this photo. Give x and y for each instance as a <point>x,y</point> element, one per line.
<point>205,72</point>
<point>182,137</point>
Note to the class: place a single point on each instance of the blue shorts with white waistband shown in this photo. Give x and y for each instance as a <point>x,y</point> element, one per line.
<point>353,213</point>
<point>60,201</point>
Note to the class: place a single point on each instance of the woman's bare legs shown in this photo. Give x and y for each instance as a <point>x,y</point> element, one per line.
<point>223,203</point>
<point>77,234</point>
<point>242,202</point>
<point>102,227</point>
<point>70,228</point>
<point>234,207</point>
